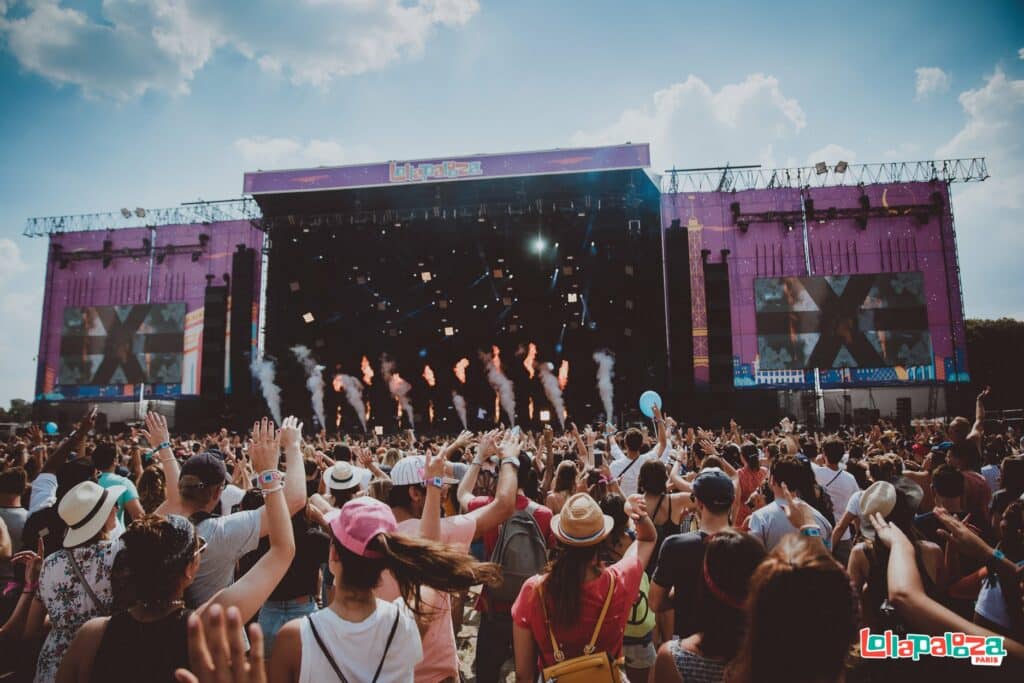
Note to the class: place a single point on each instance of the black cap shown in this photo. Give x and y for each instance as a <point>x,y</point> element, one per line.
<point>714,487</point>
<point>206,467</point>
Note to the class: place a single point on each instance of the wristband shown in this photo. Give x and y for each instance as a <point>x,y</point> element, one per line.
<point>163,444</point>
<point>436,482</point>
<point>509,460</point>
<point>811,531</point>
<point>30,587</point>
<point>270,477</point>
<point>998,555</point>
<point>277,487</point>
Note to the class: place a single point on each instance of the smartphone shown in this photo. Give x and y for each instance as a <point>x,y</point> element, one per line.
<point>598,459</point>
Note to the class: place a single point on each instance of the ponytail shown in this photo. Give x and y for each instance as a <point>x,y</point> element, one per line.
<point>414,562</point>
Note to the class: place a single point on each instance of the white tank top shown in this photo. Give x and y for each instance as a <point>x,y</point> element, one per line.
<point>357,647</point>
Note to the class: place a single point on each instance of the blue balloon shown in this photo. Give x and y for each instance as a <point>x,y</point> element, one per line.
<point>648,401</point>
<point>51,427</point>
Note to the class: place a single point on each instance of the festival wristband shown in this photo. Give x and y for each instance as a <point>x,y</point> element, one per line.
<point>30,587</point>
<point>436,482</point>
<point>811,531</point>
<point>163,445</point>
<point>270,477</point>
<point>509,460</point>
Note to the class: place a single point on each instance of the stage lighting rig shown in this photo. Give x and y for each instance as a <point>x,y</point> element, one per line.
<point>307,317</point>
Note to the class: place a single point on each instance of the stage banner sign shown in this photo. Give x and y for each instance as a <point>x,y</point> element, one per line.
<point>843,321</point>
<point>117,345</point>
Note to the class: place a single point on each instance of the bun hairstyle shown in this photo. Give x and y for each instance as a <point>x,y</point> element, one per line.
<point>150,568</point>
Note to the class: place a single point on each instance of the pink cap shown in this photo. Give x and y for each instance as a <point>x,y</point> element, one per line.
<point>359,521</point>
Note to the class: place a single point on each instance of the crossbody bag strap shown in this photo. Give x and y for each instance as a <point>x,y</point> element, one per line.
<point>559,655</point>
<point>627,468</point>
<point>323,648</point>
<point>387,645</point>
<point>589,649</point>
<point>81,579</point>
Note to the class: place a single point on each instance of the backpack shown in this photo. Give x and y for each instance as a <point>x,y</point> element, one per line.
<point>520,551</point>
<point>590,666</point>
<point>641,618</point>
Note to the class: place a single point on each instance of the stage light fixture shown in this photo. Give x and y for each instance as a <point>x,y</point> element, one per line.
<point>497,273</point>
<point>506,300</point>
<point>378,430</point>
<point>821,168</point>
<point>841,167</point>
<point>294,286</point>
<point>160,257</point>
<point>789,224</point>
<point>571,297</point>
<point>567,270</point>
<point>360,279</point>
<point>539,245</point>
<point>629,304</point>
<point>204,239</point>
<point>307,317</point>
<point>545,416</point>
<point>426,276</point>
<point>442,304</point>
<point>127,213</point>
<point>196,255</point>
<point>629,270</point>
<point>449,331</point>
<point>382,305</point>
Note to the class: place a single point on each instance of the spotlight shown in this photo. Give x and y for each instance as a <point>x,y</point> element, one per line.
<point>506,301</point>
<point>382,305</point>
<point>140,212</point>
<point>378,430</point>
<point>735,209</point>
<point>629,270</point>
<point>841,167</point>
<point>539,245</point>
<point>160,257</point>
<point>558,348</point>
<point>442,304</point>
<point>127,213</point>
<point>789,224</point>
<point>545,416</point>
<point>449,331</point>
<point>821,168</point>
<point>294,286</point>
<point>204,239</point>
<point>426,276</point>
<point>307,317</point>
<point>571,297</point>
<point>423,353</point>
<point>360,279</point>
<point>566,270</point>
<point>196,255</point>
<point>744,226</point>
<point>497,273</point>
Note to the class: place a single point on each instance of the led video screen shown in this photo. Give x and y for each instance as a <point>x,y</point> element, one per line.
<point>842,321</point>
<point>103,345</point>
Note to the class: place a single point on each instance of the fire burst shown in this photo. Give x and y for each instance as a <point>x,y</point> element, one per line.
<point>563,375</point>
<point>430,411</point>
<point>338,383</point>
<point>531,360</point>
<point>531,403</point>
<point>367,371</point>
<point>428,375</point>
<point>460,370</point>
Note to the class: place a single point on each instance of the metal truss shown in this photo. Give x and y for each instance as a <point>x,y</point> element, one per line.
<point>734,178</point>
<point>186,214</point>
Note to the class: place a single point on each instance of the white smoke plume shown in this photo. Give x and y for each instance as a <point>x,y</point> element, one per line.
<point>264,372</point>
<point>605,372</point>
<point>314,380</point>
<point>354,393</point>
<point>554,392</point>
<point>460,407</point>
<point>398,387</point>
<point>500,383</point>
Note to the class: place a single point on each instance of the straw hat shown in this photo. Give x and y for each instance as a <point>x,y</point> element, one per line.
<point>581,522</point>
<point>880,497</point>
<point>85,509</point>
<point>341,477</point>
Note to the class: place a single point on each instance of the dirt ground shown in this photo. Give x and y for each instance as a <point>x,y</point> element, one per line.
<point>465,639</point>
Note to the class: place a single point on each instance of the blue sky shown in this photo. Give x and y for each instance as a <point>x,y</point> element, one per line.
<point>155,102</point>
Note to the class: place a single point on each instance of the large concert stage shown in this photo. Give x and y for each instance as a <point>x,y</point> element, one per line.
<point>828,292</point>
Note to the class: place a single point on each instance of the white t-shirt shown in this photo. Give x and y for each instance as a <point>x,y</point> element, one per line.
<point>358,648</point>
<point>853,507</point>
<point>227,539</point>
<point>840,486</point>
<point>770,524</point>
<point>44,492</point>
<point>229,498</point>
<point>628,471</point>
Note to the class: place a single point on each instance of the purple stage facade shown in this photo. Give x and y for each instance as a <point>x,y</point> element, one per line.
<point>902,232</point>
<point>446,169</point>
<point>125,307</point>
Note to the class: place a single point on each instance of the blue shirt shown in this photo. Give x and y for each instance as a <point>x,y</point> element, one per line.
<point>108,479</point>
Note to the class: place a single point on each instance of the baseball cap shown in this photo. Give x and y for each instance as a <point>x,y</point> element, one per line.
<point>360,521</point>
<point>206,467</point>
<point>713,487</point>
<point>409,472</point>
<point>942,447</point>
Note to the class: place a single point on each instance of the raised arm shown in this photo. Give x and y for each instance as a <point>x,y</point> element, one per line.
<point>254,587</point>
<point>295,478</point>
<point>484,450</point>
<point>979,418</point>
<point>159,438</point>
<point>659,423</point>
<point>490,516</point>
<point>430,521</point>
<point>5,541</point>
<point>59,456</point>
<point>646,533</point>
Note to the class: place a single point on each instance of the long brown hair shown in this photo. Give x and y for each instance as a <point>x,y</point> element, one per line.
<point>414,563</point>
<point>563,582</point>
<point>801,617</point>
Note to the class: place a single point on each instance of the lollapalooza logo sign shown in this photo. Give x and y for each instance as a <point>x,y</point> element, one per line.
<point>981,650</point>
<point>399,172</point>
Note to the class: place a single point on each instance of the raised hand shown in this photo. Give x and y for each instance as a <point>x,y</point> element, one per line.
<point>888,534</point>
<point>35,435</point>
<point>510,445</point>
<point>156,431</point>
<point>636,507</point>
<point>291,433</point>
<point>960,534</point>
<point>433,465</point>
<point>264,446</point>
<point>797,511</point>
<point>216,652</point>
<point>33,561</point>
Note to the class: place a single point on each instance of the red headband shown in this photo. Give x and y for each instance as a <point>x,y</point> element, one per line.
<point>720,594</point>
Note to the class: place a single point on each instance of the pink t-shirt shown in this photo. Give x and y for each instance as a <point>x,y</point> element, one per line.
<point>440,654</point>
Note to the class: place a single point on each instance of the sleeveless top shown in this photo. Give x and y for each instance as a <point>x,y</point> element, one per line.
<point>665,529</point>
<point>694,668</point>
<point>133,650</point>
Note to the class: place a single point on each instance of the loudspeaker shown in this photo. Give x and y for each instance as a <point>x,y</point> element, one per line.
<point>716,293</point>
<point>680,320</point>
<point>832,422</point>
<point>243,274</point>
<point>865,416</point>
<point>903,410</point>
<point>215,310</point>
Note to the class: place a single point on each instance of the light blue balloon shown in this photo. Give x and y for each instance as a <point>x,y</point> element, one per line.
<point>51,427</point>
<point>648,400</point>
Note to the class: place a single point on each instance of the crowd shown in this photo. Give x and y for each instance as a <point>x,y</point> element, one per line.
<point>664,554</point>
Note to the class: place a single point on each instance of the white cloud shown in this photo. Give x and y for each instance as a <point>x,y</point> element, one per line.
<point>283,152</point>
<point>931,79</point>
<point>904,151</point>
<point>1020,53</point>
<point>690,124</point>
<point>988,214</point>
<point>138,45</point>
<point>11,262</point>
<point>832,153</point>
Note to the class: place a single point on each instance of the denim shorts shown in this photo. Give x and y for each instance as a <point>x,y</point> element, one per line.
<point>274,615</point>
